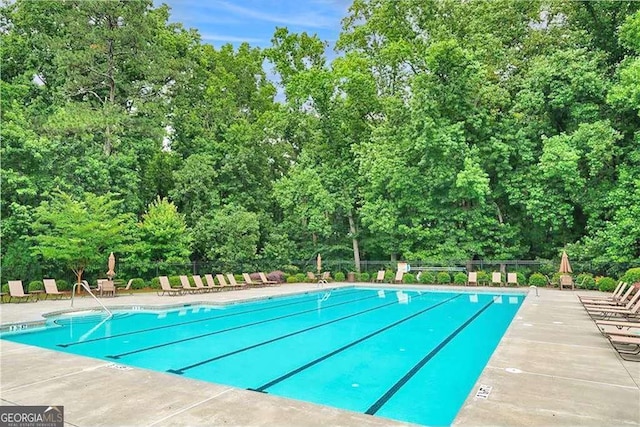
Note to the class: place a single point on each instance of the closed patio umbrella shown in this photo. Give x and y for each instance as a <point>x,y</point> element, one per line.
<point>565,267</point>
<point>319,263</point>
<point>112,266</point>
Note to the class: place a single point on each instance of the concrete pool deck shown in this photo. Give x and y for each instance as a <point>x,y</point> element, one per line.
<point>552,367</point>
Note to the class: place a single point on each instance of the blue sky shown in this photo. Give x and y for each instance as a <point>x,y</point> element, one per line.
<point>254,21</point>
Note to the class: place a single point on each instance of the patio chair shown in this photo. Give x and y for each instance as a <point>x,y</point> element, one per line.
<point>496,278</point>
<point>615,295</point>
<point>566,281</point>
<point>50,288</point>
<point>312,277</point>
<point>211,284</point>
<point>266,281</point>
<point>107,288</point>
<point>399,275</point>
<point>249,281</point>
<point>472,278</point>
<point>126,288</point>
<point>200,284</point>
<point>380,277</point>
<point>17,291</point>
<point>186,285</point>
<point>232,281</point>
<point>512,279</point>
<point>166,289</point>
<point>326,276</point>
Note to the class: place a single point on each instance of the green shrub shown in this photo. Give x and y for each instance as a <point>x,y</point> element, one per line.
<point>139,283</point>
<point>631,276</point>
<point>443,278</point>
<point>63,285</point>
<point>291,278</point>
<point>155,283</point>
<point>537,279</point>
<point>409,278</point>
<point>5,288</point>
<point>606,284</point>
<point>299,278</point>
<point>483,278</point>
<point>521,279</point>
<point>555,279</point>
<point>339,276</point>
<point>585,281</point>
<point>175,282</point>
<point>36,285</point>
<point>428,278</point>
<point>364,277</point>
<point>389,276</point>
<point>290,270</point>
<point>460,278</point>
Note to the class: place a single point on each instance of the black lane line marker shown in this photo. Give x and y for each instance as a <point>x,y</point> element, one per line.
<point>296,371</point>
<point>194,321</point>
<point>180,371</point>
<point>233,328</point>
<point>402,381</point>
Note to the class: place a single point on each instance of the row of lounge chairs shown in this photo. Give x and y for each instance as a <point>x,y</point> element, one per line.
<point>17,293</point>
<point>228,283</point>
<point>618,318</point>
<point>472,278</point>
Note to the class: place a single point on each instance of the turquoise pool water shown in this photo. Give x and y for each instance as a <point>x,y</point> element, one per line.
<point>406,355</point>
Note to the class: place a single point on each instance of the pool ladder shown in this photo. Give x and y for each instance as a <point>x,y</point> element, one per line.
<point>86,286</point>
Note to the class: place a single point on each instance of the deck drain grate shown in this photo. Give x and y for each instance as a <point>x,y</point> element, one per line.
<point>118,367</point>
<point>483,392</point>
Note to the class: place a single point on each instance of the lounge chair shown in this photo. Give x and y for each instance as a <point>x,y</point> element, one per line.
<point>512,279</point>
<point>399,275</point>
<point>165,288</point>
<point>496,278</point>
<point>472,278</point>
<point>594,309</point>
<point>51,289</point>
<point>200,285</point>
<point>250,282</point>
<point>312,277</point>
<point>234,283</point>
<point>617,293</point>
<point>266,281</point>
<point>126,288</point>
<point>17,291</point>
<point>326,276</point>
<point>626,345</point>
<point>211,284</point>
<point>379,277</point>
<point>186,285</point>
<point>602,313</point>
<point>566,281</point>
<point>624,299</point>
<point>223,282</point>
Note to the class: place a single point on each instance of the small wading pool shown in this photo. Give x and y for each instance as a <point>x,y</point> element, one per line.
<point>403,354</point>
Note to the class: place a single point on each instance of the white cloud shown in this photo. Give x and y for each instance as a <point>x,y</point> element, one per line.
<point>313,20</point>
<point>230,39</point>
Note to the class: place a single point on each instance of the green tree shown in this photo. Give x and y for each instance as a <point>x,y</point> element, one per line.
<point>80,233</point>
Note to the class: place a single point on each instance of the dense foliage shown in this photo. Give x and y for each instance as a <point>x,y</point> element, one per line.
<point>444,130</point>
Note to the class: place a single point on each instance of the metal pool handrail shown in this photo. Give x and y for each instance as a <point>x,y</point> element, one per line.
<point>84,285</point>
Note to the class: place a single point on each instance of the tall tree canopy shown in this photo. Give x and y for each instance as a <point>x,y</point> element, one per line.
<point>442,131</point>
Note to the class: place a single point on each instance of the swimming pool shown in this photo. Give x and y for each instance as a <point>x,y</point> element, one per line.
<point>408,355</point>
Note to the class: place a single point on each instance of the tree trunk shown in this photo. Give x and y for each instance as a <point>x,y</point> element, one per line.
<point>354,239</point>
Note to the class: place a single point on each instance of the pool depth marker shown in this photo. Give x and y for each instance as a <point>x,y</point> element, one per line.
<point>289,374</point>
<point>402,381</point>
